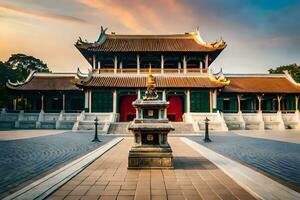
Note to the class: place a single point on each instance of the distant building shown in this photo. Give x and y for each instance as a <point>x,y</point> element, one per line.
<point>181,68</point>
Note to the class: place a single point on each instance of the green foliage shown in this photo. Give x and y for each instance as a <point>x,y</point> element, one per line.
<point>293,70</point>
<point>17,68</point>
<point>24,64</point>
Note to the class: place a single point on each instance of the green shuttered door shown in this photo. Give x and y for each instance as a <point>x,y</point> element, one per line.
<point>199,100</point>
<point>102,101</point>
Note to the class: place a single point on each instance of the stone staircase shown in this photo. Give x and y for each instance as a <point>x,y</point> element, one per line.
<point>234,121</point>
<point>182,128</point>
<point>118,128</point>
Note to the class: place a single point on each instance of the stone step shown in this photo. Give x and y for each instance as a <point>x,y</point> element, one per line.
<point>235,125</point>
<point>118,128</point>
<point>89,125</point>
<point>66,124</point>
<point>182,127</point>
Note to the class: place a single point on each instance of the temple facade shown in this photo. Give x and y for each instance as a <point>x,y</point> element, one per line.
<point>181,68</point>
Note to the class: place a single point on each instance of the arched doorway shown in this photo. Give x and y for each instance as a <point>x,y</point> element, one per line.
<point>175,109</point>
<point>127,111</point>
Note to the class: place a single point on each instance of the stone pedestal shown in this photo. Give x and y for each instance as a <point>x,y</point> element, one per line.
<point>150,157</point>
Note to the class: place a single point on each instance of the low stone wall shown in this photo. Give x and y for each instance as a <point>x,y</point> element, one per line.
<point>192,121</point>
<point>234,121</point>
<point>198,119</point>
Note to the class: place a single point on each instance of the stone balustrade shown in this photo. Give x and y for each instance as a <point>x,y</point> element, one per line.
<point>234,121</point>
<point>273,121</point>
<point>216,121</point>
<point>85,121</point>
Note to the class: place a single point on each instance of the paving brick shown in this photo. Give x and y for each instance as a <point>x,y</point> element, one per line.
<point>90,197</point>
<point>191,179</point>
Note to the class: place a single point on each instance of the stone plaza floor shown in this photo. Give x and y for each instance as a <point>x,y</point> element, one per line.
<point>194,177</point>
<point>278,159</point>
<point>24,134</point>
<point>24,160</point>
<point>292,136</point>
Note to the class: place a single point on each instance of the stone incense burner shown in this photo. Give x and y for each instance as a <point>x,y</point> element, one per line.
<point>150,130</point>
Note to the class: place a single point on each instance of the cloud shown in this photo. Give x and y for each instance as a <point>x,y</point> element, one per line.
<point>147,16</point>
<point>42,14</point>
<point>118,11</point>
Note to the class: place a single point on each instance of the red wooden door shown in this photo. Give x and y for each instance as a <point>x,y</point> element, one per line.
<point>127,111</point>
<point>175,109</point>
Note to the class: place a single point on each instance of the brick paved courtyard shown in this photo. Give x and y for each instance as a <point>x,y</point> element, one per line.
<point>276,158</point>
<point>24,160</point>
<point>194,177</point>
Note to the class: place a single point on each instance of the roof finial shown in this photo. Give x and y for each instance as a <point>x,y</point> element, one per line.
<point>103,30</point>
<point>102,35</point>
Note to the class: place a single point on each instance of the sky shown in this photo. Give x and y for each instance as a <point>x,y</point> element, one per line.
<point>260,34</point>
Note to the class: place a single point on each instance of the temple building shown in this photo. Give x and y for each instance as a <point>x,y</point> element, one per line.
<point>180,65</point>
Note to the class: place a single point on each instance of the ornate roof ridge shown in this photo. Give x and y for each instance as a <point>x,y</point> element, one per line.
<point>55,74</point>
<point>155,75</point>
<point>151,36</point>
<point>290,78</point>
<point>194,35</point>
<point>18,83</point>
<point>255,75</point>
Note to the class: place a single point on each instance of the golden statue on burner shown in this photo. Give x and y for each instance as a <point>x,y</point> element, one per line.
<point>151,93</point>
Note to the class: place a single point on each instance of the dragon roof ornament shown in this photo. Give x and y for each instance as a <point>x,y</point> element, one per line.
<point>81,74</point>
<point>199,39</point>
<point>17,83</point>
<point>219,77</point>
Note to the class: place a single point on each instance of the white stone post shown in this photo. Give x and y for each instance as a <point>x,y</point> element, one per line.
<point>214,99</point>
<point>138,63</point>
<point>184,64</point>
<point>201,66</point>
<point>115,64</point>
<point>63,102</point>
<point>188,101</point>
<point>179,66</point>
<point>139,94</point>
<point>162,63</point>
<point>164,98</point>
<point>115,101</point>
<point>42,102</point>
<point>239,103</point>
<point>99,64</point>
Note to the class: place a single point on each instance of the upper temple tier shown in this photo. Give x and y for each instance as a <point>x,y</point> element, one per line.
<point>133,53</point>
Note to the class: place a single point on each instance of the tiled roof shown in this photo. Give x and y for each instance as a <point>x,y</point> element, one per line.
<point>150,43</point>
<point>51,82</point>
<point>262,84</point>
<point>161,82</point>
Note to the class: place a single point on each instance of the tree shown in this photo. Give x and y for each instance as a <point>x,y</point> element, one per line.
<point>17,68</point>
<point>293,70</point>
<point>24,64</point>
